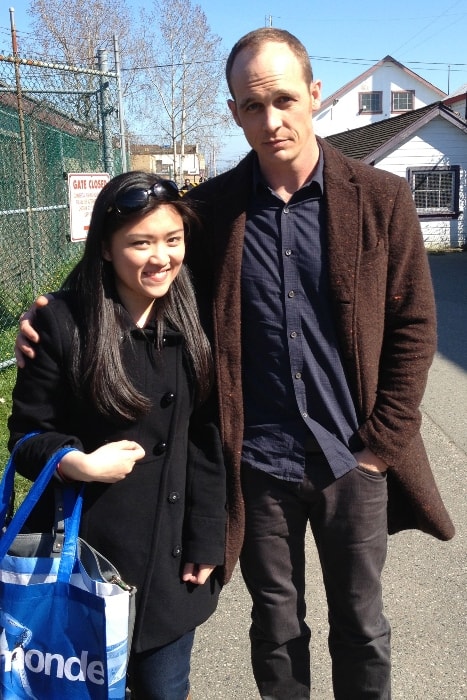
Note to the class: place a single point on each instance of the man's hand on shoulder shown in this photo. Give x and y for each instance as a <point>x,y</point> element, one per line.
<point>27,334</point>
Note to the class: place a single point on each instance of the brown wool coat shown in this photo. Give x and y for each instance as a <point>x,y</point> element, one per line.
<point>385,319</point>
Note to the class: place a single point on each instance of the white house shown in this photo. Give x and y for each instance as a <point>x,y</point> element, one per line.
<point>160,160</point>
<point>428,146</point>
<point>385,90</point>
<point>457,101</point>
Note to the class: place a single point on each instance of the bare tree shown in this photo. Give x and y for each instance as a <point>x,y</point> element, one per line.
<point>184,78</point>
<point>172,65</point>
<point>72,33</point>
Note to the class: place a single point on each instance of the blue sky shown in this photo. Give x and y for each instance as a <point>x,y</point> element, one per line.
<point>343,39</point>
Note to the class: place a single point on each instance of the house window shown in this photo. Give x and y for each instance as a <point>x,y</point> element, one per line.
<point>370,102</point>
<point>402,101</point>
<point>436,191</point>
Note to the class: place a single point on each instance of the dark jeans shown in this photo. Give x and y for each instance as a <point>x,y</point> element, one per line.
<point>162,673</point>
<point>348,522</point>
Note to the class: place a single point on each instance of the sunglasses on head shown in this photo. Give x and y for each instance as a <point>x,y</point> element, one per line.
<point>136,198</point>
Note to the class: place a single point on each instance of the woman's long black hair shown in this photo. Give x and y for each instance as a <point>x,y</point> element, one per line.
<point>97,364</point>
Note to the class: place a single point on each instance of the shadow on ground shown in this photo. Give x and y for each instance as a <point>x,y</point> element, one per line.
<point>449,273</point>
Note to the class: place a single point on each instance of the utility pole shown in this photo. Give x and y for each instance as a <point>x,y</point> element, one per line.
<point>268,20</point>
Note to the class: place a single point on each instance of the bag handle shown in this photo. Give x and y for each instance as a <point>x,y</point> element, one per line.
<point>35,492</point>
<point>73,504</point>
<point>8,481</point>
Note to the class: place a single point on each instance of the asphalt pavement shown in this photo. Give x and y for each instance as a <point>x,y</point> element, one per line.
<point>425,581</point>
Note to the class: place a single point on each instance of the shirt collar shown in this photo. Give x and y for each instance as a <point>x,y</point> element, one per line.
<point>316,179</point>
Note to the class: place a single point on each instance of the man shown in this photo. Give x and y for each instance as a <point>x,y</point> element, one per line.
<point>187,186</point>
<point>312,277</point>
<point>323,307</point>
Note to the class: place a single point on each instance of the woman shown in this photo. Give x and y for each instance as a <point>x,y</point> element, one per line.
<point>123,373</point>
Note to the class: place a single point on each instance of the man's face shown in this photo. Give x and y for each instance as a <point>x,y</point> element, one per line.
<point>274,104</point>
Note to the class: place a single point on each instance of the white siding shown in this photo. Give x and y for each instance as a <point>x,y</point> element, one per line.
<point>438,143</point>
<point>387,78</point>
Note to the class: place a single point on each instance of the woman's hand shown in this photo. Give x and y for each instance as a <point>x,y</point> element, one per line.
<point>197,573</point>
<point>109,463</point>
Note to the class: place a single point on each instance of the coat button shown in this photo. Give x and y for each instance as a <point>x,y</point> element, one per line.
<point>174,496</point>
<point>177,551</point>
<point>160,448</point>
<point>167,399</point>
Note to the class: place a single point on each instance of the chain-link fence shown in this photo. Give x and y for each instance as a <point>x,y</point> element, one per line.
<point>54,120</point>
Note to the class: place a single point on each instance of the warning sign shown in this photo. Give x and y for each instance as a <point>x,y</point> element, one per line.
<point>83,189</point>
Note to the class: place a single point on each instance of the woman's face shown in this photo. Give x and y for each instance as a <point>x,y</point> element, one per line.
<point>146,256</point>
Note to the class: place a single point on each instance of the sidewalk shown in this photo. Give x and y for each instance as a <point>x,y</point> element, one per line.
<point>425,581</point>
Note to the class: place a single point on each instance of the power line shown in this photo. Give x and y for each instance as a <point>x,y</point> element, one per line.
<point>426,65</point>
<point>435,19</point>
<point>372,61</point>
<point>350,61</point>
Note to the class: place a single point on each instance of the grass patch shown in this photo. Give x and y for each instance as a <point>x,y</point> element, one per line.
<point>7,382</point>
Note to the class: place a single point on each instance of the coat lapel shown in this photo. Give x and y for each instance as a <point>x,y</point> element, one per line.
<point>227,244</point>
<point>344,221</point>
<point>344,215</point>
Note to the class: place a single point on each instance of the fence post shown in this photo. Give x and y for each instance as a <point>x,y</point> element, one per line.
<point>106,110</point>
<point>121,119</point>
<point>24,155</point>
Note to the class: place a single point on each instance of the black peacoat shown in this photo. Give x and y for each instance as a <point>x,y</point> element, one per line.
<point>170,509</point>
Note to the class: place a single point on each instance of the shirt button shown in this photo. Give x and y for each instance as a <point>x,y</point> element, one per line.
<point>285,210</point>
<point>293,334</point>
<point>304,414</point>
<point>291,294</point>
<point>174,496</point>
<point>177,551</point>
<point>298,375</point>
<point>288,252</point>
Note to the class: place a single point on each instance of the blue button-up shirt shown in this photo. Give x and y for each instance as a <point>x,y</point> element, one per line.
<point>294,382</point>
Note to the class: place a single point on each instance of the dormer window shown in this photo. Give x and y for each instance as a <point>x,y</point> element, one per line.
<point>402,101</point>
<point>370,102</point>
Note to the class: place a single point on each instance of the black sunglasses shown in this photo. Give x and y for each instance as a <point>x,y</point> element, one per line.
<point>136,198</point>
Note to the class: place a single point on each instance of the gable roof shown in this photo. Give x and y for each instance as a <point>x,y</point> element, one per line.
<point>462,90</point>
<point>363,76</point>
<point>459,96</point>
<point>371,142</point>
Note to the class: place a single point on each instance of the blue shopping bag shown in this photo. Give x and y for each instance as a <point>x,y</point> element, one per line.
<point>65,616</point>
